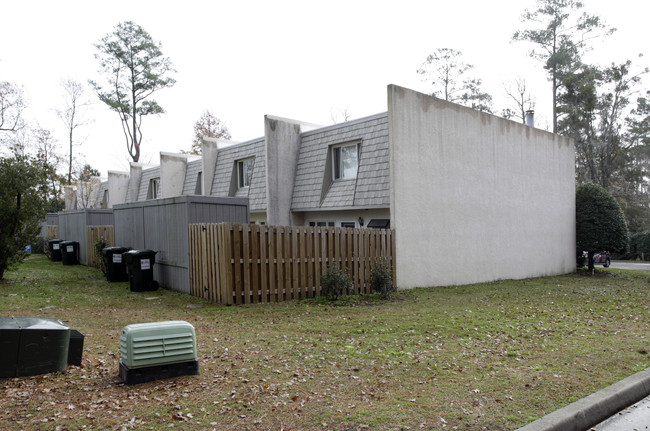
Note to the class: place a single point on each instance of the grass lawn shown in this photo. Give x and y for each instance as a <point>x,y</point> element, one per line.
<point>491,356</point>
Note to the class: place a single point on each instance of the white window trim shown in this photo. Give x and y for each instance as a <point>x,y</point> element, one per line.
<point>337,166</point>
<point>240,175</point>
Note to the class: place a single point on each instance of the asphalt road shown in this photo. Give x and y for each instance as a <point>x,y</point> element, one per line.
<point>637,416</point>
<point>618,264</point>
<point>633,418</point>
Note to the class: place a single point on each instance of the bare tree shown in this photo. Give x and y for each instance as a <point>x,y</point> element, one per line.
<point>72,115</point>
<point>340,115</point>
<point>519,98</point>
<point>12,104</point>
<point>208,125</point>
<point>450,78</point>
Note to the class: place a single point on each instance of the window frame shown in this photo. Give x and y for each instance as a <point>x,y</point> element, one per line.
<point>154,188</point>
<point>338,168</point>
<point>244,181</point>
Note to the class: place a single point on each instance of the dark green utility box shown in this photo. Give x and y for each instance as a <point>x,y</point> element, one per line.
<point>32,345</point>
<point>70,251</point>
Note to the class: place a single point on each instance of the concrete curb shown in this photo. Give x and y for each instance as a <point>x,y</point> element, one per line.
<point>595,408</point>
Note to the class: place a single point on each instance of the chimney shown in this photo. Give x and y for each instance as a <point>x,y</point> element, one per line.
<point>530,118</point>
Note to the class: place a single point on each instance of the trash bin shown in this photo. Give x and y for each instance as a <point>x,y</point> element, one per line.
<point>69,250</point>
<point>115,266</point>
<point>55,250</point>
<point>140,266</point>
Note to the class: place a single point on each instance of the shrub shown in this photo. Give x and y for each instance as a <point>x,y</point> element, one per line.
<point>600,224</point>
<point>381,278</point>
<point>100,245</point>
<point>334,282</point>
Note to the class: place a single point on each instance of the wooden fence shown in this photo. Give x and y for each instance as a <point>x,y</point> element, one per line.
<point>94,234</point>
<point>52,231</point>
<point>242,264</point>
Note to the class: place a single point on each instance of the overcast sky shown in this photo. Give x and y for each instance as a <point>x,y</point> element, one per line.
<point>305,60</point>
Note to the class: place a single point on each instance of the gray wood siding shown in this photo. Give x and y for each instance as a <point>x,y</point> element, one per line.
<point>52,219</point>
<point>99,217</point>
<point>371,187</point>
<point>191,177</point>
<point>162,225</point>
<point>72,227</point>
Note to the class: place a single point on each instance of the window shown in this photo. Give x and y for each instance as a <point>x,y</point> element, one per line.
<point>345,161</point>
<point>379,223</point>
<point>199,180</point>
<point>321,223</point>
<point>348,224</point>
<point>244,172</point>
<point>154,188</point>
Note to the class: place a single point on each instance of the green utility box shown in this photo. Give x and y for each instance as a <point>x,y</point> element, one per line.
<point>157,350</point>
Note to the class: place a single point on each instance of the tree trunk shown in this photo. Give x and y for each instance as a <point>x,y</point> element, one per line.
<point>590,261</point>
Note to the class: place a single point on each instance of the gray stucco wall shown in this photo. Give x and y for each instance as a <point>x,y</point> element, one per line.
<point>475,197</point>
<point>282,144</point>
<point>72,226</point>
<point>162,225</point>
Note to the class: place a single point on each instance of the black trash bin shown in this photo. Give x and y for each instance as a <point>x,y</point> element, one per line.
<point>55,250</point>
<point>140,266</point>
<point>115,266</point>
<point>69,251</point>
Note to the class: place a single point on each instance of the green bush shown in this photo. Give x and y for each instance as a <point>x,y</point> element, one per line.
<point>100,245</point>
<point>600,223</point>
<point>381,278</point>
<point>334,283</point>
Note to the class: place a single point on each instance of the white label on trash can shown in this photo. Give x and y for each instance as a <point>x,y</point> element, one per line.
<point>69,248</point>
<point>117,258</point>
<point>144,264</point>
<point>55,246</point>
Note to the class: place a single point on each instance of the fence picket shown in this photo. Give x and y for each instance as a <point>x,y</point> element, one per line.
<point>243,264</point>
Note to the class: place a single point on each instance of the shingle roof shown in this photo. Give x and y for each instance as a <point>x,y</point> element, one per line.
<point>371,187</point>
<point>191,176</point>
<point>147,175</point>
<point>224,172</point>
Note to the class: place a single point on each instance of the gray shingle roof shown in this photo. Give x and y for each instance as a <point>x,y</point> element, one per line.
<point>371,187</point>
<point>147,175</point>
<point>191,176</point>
<point>224,172</point>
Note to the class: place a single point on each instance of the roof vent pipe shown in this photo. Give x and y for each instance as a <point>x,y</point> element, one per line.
<point>530,118</point>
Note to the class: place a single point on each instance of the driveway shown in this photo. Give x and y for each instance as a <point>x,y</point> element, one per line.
<point>620,264</point>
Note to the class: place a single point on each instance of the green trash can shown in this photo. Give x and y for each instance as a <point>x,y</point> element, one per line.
<point>69,252</point>
<point>115,266</point>
<point>55,250</point>
<point>139,264</point>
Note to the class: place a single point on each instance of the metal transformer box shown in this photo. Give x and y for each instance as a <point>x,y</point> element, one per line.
<point>157,350</point>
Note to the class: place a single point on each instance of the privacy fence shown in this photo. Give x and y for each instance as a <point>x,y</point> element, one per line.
<point>94,234</point>
<point>243,264</point>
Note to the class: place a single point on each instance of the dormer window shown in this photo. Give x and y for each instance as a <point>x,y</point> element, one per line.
<point>244,172</point>
<point>345,161</point>
<point>154,188</point>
